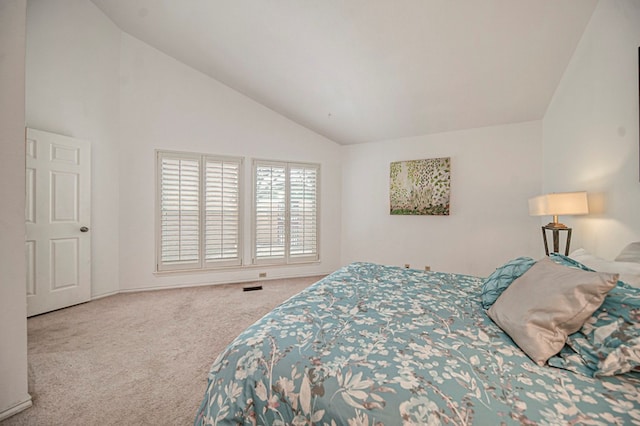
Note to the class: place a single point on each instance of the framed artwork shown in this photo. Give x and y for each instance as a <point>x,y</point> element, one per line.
<point>420,187</point>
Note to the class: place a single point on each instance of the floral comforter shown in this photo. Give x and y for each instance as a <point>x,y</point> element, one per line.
<point>372,344</point>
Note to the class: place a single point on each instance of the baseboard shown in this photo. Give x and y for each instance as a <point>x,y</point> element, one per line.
<point>177,286</point>
<point>240,281</point>
<point>100,296</point>
<point>15,409</point>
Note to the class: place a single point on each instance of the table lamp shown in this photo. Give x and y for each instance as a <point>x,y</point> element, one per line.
<point>556,204</point>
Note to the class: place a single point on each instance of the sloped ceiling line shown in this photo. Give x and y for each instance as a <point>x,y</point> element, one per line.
<point>359,71</point>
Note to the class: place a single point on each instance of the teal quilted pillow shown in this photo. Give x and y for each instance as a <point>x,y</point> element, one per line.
<point>502,277</point>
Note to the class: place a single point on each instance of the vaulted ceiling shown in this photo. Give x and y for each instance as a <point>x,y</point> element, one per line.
<point>366,70</point>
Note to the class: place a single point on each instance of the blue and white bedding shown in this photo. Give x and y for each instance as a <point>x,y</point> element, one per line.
<point>379,345</point>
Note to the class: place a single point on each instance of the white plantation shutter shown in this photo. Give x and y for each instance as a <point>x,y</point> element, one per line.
<point>303,201</point>
<point>270,211</point>
<point>196,190</point>
<point>285,212</point>
<point>180,212</point>
<point>222,212</point>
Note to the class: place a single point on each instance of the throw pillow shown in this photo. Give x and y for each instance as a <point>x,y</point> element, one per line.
<point>546,304</point>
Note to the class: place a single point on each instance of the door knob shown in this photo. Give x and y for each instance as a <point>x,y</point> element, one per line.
<point>84,229</point>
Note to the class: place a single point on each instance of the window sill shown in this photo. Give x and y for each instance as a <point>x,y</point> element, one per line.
<point>235,268</point>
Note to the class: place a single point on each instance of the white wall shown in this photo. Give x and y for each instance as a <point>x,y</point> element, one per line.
<point>85,78</point>
<point>590,130</point>
<point>13,301</point>
<point>130,102</point>
<point>167,105</point>
<point>73,56</point>
<point>494,171</point>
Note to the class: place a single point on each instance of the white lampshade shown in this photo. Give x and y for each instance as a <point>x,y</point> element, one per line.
<point>564,203</point>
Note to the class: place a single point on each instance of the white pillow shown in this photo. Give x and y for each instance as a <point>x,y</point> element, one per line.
<point>629,271</point>
<point>630,253</point>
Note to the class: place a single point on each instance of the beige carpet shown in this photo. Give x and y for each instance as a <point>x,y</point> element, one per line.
<point>137,358</point>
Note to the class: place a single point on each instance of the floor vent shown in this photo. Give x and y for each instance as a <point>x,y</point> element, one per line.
<point>252,288</point>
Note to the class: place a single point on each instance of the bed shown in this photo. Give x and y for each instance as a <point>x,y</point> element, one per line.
<point>380,345</point>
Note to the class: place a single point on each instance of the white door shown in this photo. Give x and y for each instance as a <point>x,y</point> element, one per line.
<point>58,213</point>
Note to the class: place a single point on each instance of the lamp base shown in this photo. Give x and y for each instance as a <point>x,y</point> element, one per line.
<point>555,230</point>
<point>555,225</point>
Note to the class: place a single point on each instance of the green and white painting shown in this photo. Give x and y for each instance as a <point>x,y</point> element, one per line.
<point>420,187</point>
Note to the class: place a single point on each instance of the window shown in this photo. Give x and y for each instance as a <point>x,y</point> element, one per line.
<point>285,228</point>
<point>199,211</point>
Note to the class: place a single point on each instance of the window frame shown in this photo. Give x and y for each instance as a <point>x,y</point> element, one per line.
<point>287,258</point>
<point>202,264</point>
